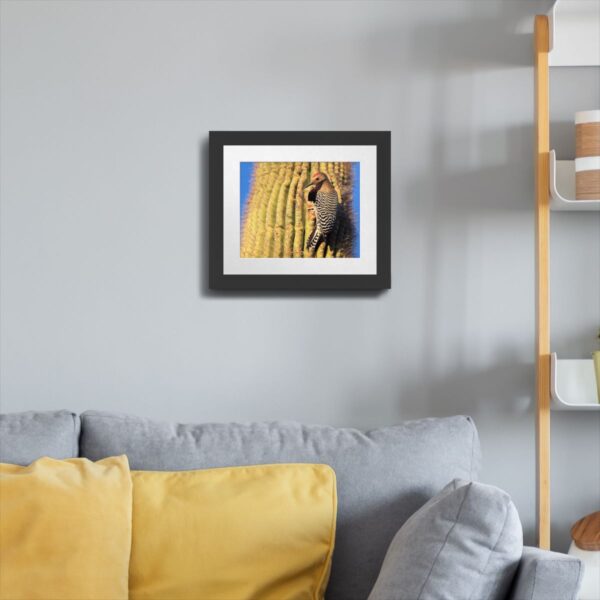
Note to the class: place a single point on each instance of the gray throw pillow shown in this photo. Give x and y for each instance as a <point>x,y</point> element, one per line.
<point>27,436</point>
<point>464,544</point>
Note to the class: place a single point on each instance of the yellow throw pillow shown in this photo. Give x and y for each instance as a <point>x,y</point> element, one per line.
<point>65,529</point>
<point>240,533</point>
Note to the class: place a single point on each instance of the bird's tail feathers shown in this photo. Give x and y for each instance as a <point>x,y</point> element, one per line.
<point>313,239</point>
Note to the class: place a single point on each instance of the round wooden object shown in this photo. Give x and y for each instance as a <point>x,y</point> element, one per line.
<point>586,532</point>
<point>587,139</point>
<point>587,130</point>
<point>587,185</point>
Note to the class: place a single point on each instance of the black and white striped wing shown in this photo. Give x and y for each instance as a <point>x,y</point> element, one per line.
<point>326,210</point>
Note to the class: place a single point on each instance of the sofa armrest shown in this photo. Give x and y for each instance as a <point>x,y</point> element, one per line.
<point>544,575</point>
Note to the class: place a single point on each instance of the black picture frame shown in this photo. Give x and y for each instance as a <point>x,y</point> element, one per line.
<point>380,280</point>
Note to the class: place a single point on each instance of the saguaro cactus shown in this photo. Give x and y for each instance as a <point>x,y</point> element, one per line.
<point>278,218</point>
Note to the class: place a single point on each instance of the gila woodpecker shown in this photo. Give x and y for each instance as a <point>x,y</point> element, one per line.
<point>325,200</point>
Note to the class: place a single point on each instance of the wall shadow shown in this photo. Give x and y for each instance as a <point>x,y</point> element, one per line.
<point>450,200</point>
<point>448,204</point>
<point>471,391</point>
<point>492,36</point>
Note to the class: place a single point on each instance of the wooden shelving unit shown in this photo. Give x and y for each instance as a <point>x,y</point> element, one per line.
<point>568,36</point>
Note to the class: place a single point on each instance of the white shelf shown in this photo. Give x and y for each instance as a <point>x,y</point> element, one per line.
<point>573,384</point>
<point>574,33</point>
<point>562,187</point>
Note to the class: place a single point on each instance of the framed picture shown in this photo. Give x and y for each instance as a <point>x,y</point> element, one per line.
<point>299,210</point>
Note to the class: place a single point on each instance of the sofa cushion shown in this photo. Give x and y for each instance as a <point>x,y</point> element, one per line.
<point>65,530</point>
<point>464,544</point>
<point>27,436</point>
<point>383,476</point>
<point>264,532</point>
<point>546,575</point>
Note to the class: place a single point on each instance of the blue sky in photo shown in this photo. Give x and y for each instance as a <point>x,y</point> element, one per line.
<point>247,169</point>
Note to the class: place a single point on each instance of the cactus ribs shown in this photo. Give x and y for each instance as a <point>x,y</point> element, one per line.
<point>279,218</point>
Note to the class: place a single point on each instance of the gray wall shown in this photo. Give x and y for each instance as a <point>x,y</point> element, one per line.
<point>105,113</point>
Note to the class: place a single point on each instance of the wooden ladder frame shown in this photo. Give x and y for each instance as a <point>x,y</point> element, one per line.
<point>542,212</point>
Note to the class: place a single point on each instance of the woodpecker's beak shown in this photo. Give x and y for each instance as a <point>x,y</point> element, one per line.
<point>310,184</point>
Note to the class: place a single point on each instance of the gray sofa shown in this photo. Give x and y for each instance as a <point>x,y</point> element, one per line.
<point>383,476</point>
